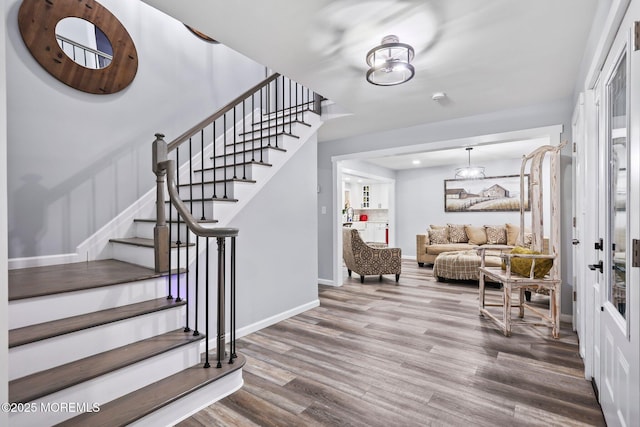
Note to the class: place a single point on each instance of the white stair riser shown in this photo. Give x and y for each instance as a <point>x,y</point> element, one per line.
<point>234,190</point>
<point>111,386</point>
<point>281,141</point>
<point>32,311</point>
<point>144,256</point>
<point>252,171</point>
<point>290,125</point>
<point>27,359</point>
<point>193,402</point>
<point>212,209</point>
<point>144,229</point>
<point>266,156</point>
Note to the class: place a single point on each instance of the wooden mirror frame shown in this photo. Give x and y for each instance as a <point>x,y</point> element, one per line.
<point>37,20</point>
<point>202,35</point>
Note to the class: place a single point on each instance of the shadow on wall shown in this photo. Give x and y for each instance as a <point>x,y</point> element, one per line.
<point>29,203</point>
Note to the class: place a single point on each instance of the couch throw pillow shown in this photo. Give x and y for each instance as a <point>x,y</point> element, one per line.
<point>513,233</point>
<point>522,266</point>
<point>439,236</point>
<point>496,234</point>
<point>476,235</point>
<point>457,233</point>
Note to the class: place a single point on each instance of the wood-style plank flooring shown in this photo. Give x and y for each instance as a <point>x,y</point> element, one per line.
<point>412,354</point>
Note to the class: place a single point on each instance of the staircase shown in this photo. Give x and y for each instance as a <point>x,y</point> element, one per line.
<point>125,340</point>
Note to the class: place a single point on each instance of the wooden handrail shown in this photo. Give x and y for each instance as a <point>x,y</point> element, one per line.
<point>215,116</point>
<point>176,201</point>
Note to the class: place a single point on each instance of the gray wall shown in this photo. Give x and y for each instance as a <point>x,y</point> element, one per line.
<point>4,348</point>
<point>420,202</point>
<point>528,117</point>
<point>78,159</point>
<point>277,243</point>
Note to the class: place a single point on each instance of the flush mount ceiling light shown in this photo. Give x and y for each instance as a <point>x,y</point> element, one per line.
<point>470,172</point>
<point>390,62</point>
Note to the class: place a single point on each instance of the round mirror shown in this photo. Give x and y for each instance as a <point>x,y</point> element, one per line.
<point>83,42</point>
<point>63,37</point>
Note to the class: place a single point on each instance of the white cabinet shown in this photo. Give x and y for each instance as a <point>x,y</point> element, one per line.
<point>372,231</point>
<point>374,196</point>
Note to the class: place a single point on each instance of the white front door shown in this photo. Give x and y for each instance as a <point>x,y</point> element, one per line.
<point>618,280</point>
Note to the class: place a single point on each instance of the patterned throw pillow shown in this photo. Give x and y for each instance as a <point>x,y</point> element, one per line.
<point>457,233</point>
<point>496,234</point>
<point>476,235</point>
<point>528,240</point>
<point>439,236</point>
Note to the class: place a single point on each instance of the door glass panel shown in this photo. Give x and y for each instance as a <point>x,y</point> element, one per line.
<point>617,91</point>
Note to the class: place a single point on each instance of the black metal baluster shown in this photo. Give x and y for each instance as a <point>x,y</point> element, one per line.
<point>197,289</point>
<point>170,296</point>
<point>220,338</point>
<point>206,307</point>
<point>253,139</point>
<point>261,123</point>
<point>289,107</point>
<point>215,182</point>
<point>224,152</point>
<point>178,242</point>
<point>244,137</point>
<point>235,132</point>
<point>202,173</point>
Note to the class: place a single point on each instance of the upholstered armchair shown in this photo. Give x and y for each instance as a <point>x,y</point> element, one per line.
<point>367,260</point>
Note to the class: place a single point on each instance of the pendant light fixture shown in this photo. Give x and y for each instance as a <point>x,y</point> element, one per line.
<point>390,62</point>
<point>470,172</point>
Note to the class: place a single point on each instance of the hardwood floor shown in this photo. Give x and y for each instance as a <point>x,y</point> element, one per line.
<point>412,354</point>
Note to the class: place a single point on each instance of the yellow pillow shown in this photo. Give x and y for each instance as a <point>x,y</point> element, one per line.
<point>522,266</point>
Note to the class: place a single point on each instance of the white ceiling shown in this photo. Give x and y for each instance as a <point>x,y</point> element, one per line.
<point>480,155</point>
<point>486,55</point>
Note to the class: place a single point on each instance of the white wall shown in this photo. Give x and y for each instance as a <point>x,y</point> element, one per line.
<point>78,159</point>
<point>4,346</point>
<point>420,202</point>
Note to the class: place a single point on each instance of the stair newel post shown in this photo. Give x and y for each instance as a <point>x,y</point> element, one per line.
<point>160,231</point>
<point>220,338</point>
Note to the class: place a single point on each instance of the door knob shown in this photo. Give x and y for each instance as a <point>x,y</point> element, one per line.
<point>594,267</point>
<point>575,242</point>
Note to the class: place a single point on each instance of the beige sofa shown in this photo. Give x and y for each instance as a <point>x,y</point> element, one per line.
<point>462,237</point>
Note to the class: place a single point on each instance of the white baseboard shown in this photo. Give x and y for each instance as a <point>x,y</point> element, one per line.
<point>40,261</point>
<point>326,282</point>
<point>411,257</point>
<point>567,318</point>
<point>276,318</point>
<point>254,327</point>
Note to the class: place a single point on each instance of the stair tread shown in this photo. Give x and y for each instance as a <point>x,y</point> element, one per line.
<point>219,181</point>
<point>53,279</point>
<point>266,147</point>
<point>133,406</point>
<point>41,331</point>
<point>265,131</point>
<point>287,121</point>
<point>141,241</point>
<point>208,199</point>
<point>258,138</point>
<point>34,386</point>
<point>250,162</point>
<point>153,220</point>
